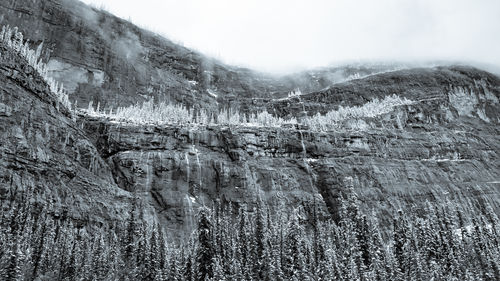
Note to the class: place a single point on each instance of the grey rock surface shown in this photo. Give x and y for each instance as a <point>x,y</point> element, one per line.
<point>443,147</point>
<point>427,151</point>
<point>42,148</point>
<point>110,61</point>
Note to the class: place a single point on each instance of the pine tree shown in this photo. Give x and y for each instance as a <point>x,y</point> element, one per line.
<point>38,245</point>
<point>142,262</point>
<point>400,241</point>
<point>205,251</point>
<point>99,270</point>
<point>86,268</point>
<point>132,232</point>
<point>481,249</point>
<point>45,263</point>
<point>317,247</point>
<point>376,249</point>
<point>433,239</point>
<point>364,242</point>
<point>162,255</point>
<point>14,264</point>
<point>70,268</point>
<point>4,249</point>
<point>262,255</point>
<point>188,264</point>
<point>243,240</point>
<point>226,247</point>
<point>353,226</point>
<point>294,265</point>
<point>494,222</point>
<point>62,254</point>
<point>392,265</point>
<point>278,268</point>
<point>114,255</point>
<point>175,267</point>
<point>353,272</point>
<point>235,268</point>
<point>219,274</point>
<point>154,264</point>
<point>217,229</point>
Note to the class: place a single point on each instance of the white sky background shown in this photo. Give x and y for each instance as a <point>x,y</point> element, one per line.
<point>289,35</point>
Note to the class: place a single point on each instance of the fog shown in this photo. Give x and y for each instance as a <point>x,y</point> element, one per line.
<point>285,36</point>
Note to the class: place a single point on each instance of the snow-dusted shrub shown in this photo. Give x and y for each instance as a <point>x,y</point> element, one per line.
<point>334,119</point>
<point>13,39</point>
<point>261,119</point>
<point>353,77</point>
<point>295,93</point>
<point>154,113</point>
<point>268,120</point>
<point>230,117</point>
<point>150,112</point>
<point>162,113</point>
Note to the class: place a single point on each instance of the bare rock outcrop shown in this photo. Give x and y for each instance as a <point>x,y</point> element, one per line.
<point>426,151</point>
<point>43,150</point>
<point>108,60</point>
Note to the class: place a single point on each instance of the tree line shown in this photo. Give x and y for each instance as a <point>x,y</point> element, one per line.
<point>251,243</point>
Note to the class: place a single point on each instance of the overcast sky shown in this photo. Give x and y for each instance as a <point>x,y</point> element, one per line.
<point>288,35</point>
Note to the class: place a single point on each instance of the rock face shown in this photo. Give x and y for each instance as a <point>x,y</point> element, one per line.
<point>415,84</point>
<point>42,149</point>
<point>443,147</point>
<point>110,61</point>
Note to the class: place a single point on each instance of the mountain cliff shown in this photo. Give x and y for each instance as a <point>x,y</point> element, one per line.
<point>442,146</point>
<point>43,151</point>
<point>108,60</point>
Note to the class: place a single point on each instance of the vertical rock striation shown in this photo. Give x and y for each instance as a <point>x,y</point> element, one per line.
<point>427,151</point>
<point>43,150</point>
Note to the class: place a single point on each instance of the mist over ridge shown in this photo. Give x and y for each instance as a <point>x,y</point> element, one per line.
<point>283,37</point>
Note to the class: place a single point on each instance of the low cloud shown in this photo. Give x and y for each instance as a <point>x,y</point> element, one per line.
<point>284,36</point>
